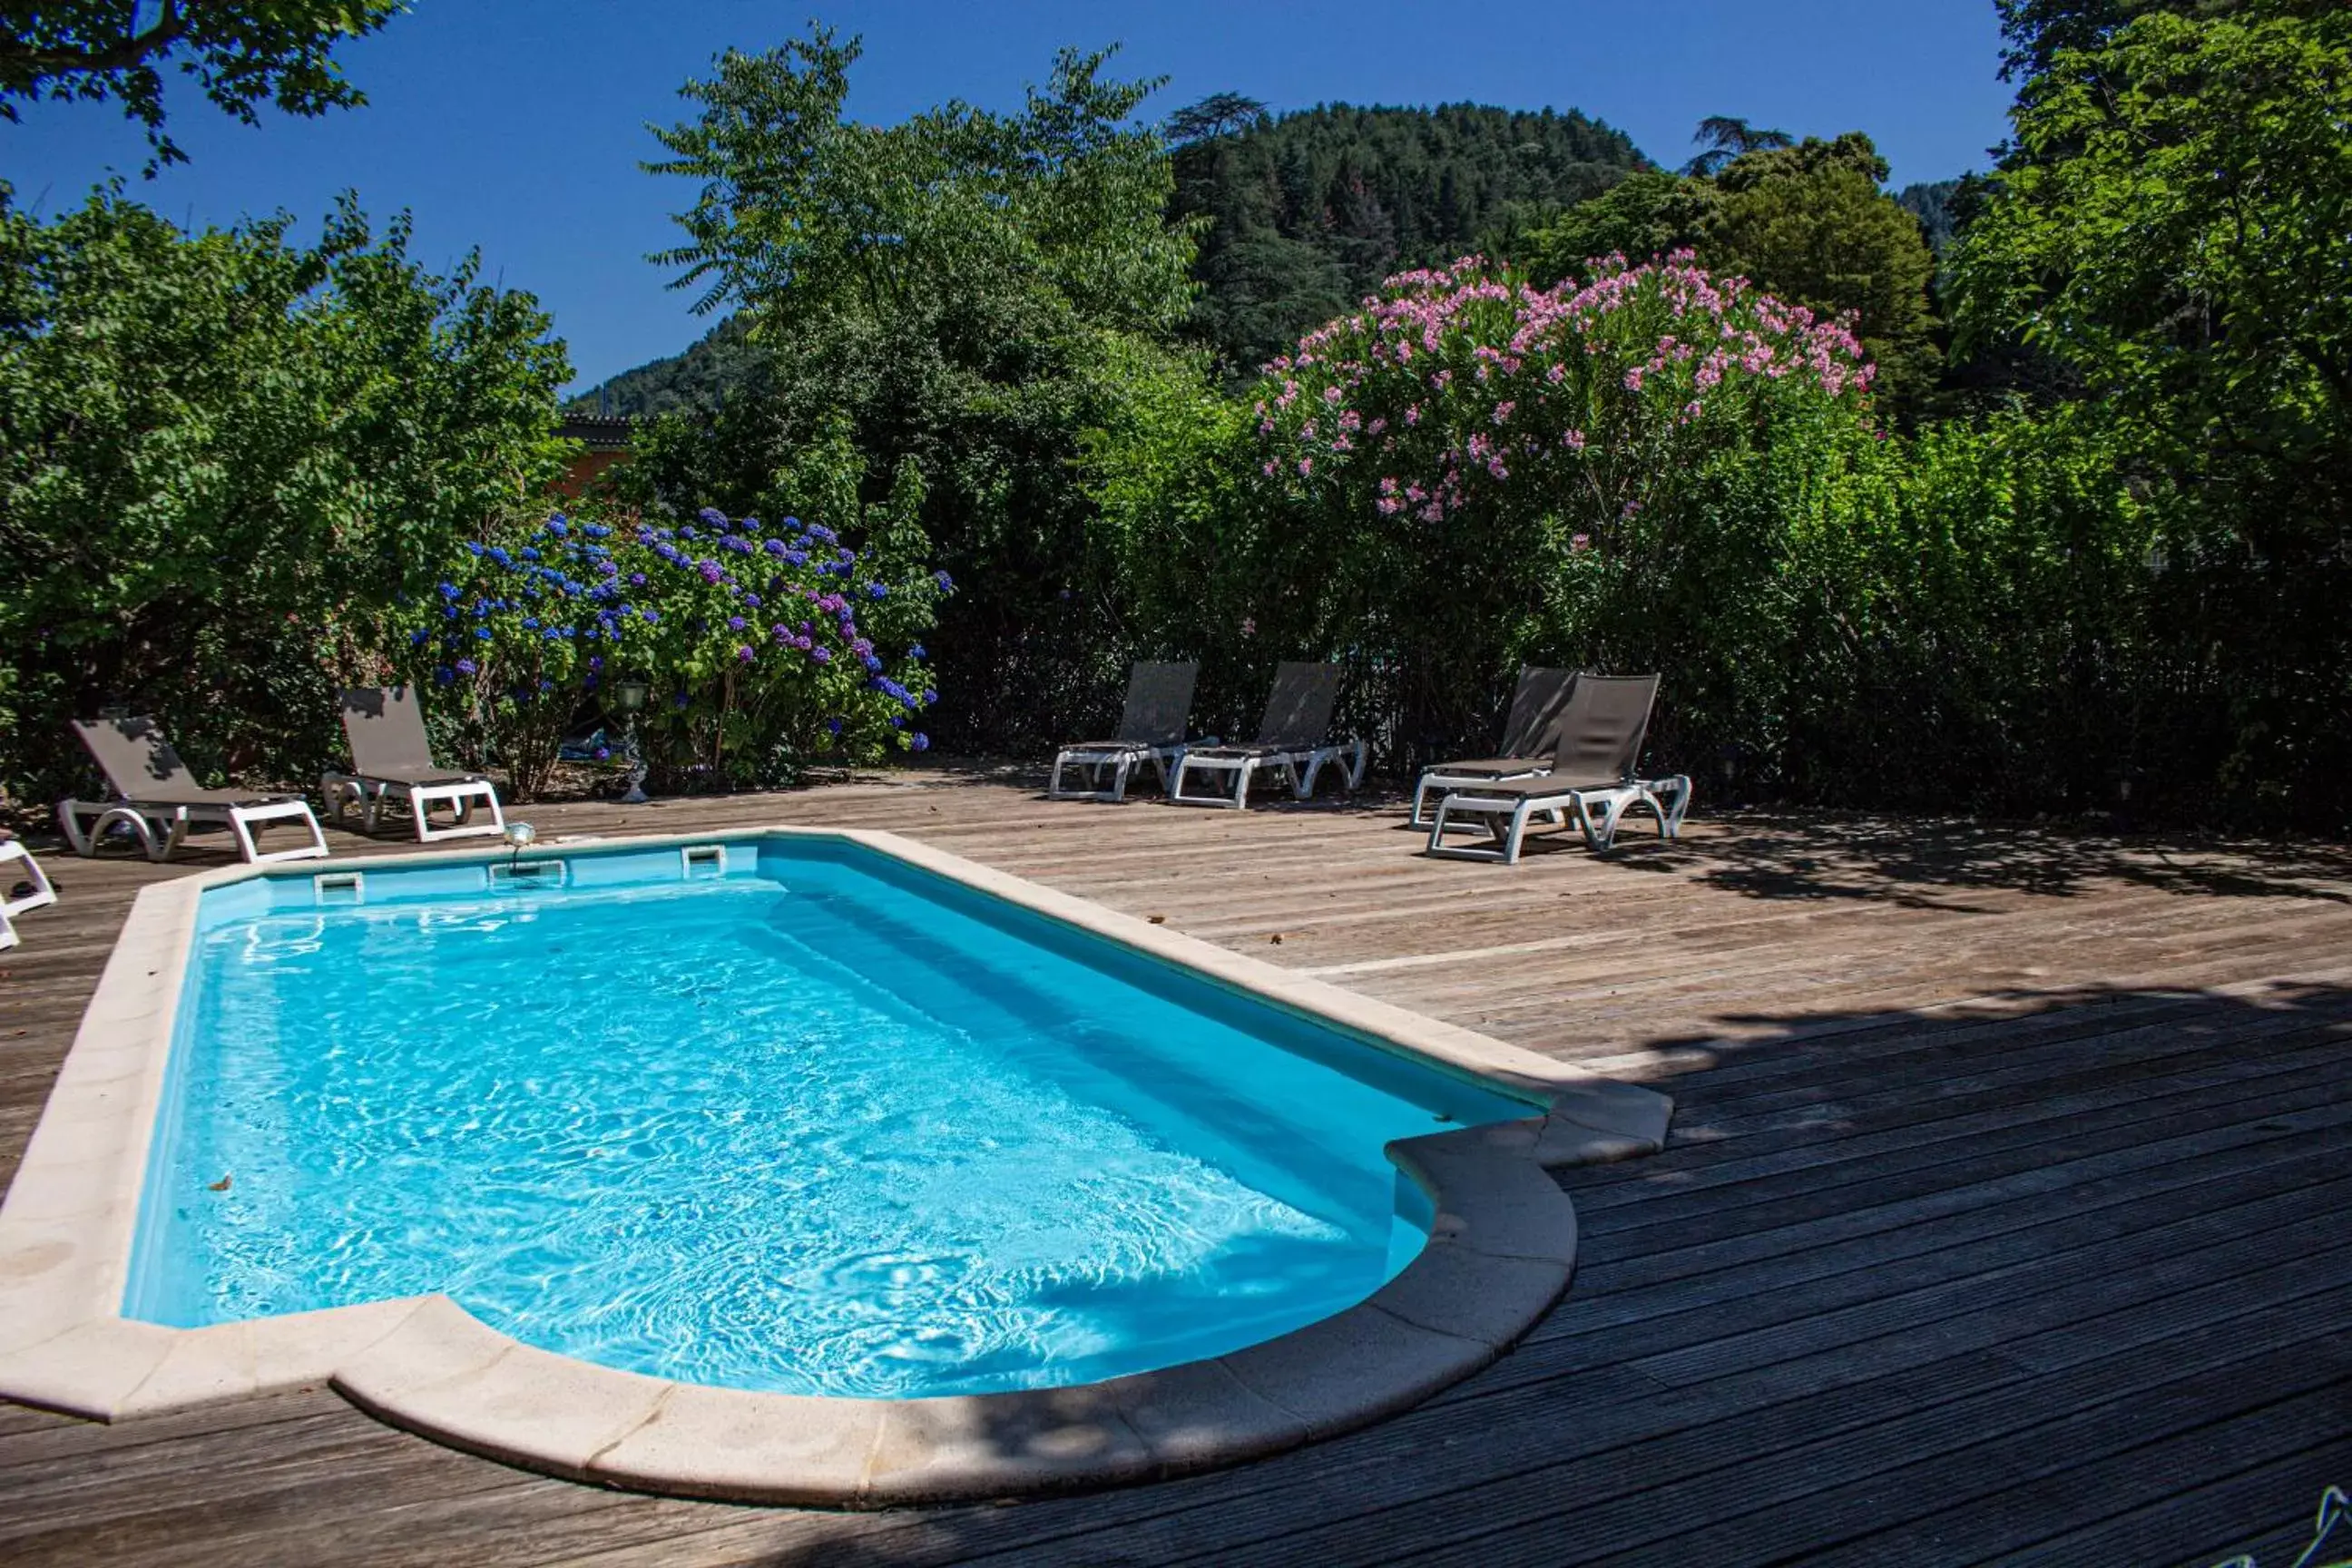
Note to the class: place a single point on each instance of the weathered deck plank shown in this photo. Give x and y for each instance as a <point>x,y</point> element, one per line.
<point>2001,1221</point>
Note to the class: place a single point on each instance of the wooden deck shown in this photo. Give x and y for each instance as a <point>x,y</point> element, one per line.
<point>2004,1219</point>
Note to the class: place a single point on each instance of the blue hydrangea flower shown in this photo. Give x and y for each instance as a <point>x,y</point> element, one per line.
<point>946,583</point>
<point>467,667</point>
<point>916,652</point>
<point>876,591</point>
<point>921,742</point>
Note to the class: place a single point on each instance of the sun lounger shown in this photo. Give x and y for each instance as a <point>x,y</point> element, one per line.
<point>1294,741</point>
<point>392,763</point>
<point>15,860</point>
<point>1151,729</point>
<point>1591,777</point>
<point>1529,733</point>
<point>158,800</point>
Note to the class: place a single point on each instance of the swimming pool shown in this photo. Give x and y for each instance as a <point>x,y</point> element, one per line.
<point>793,1115</point>
<point>787,1165</point>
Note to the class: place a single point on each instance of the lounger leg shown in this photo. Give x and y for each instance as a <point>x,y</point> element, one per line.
<point>1118,778</point>
<point>69,823</point>
<point>174,837</point>
<point>1512,832</point>
<point>1053,784</point>
<point>416,809</point>
<point>1302,784</point>
<point>1363,756</point>
<point>1242,783</point>
<point>238,824</point>
<point>1599,828</point>
<point>7,932</point>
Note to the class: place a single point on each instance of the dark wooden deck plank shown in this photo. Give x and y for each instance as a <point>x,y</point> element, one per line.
<point>1982,1135</point>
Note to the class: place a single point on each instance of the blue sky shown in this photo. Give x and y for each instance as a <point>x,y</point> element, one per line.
<point>517,125</point>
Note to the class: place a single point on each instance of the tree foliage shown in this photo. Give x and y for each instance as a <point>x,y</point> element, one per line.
<point>1723,137</point>
<point>240,53</point>
<point>224,457</point>
<point>937,293</point>
<point>2170,225</point>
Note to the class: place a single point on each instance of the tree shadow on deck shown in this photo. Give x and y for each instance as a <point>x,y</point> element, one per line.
<point>1919,862</point>
<point>2167,1148</point>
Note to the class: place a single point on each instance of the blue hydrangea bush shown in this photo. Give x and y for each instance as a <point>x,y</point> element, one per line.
<point>764,646</point>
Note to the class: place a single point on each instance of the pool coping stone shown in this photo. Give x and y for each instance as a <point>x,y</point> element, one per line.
<point>1502,1248</point>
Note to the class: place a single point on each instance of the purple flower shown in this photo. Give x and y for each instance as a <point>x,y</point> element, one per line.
<point>946,583</point>
<point>752,600</point>
<point>603,754</point>
<point>822,655</point>
<point>637,579</point>
<point>921,742</point>
<point>735,624</point>
<point>774,546</point>
<point>834,725</point>
<point>916,652</point>
<point>713,516</point>
<point>745,654</point>
<point>709,569</point>
<point>467,667</point>
<point>876,591</point>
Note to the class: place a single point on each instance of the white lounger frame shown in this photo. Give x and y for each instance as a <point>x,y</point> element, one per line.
<point>464,796</point>
<point>1299,768</point>
<point>1598,810</point>
<point>41,897</point>
<point>162,827</point>
<point>1446,783</point>
<point>1121,758</point>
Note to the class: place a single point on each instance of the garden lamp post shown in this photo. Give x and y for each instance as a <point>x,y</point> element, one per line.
<point>629,697</point>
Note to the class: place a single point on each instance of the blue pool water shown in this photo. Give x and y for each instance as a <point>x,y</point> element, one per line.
<point>821,1123</point>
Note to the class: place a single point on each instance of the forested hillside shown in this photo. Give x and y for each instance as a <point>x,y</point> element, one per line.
<point>714,363</point>
<point>1309,212</point>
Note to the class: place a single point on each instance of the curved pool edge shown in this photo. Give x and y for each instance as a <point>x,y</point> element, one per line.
<point>1501,1250</point>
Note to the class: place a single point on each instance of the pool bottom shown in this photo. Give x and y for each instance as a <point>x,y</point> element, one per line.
<point>1501,1248</point>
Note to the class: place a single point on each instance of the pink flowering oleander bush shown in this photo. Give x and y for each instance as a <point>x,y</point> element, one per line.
<point>764,646</point>
<point>1470,472</point>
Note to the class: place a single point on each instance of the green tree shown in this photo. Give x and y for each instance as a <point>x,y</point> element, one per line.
<point>2170,224</point>
<point>1813,224</point>
<point>1647,215</point>
<point>241,53</point>
<point>941,291</point>
<point>224,456</point>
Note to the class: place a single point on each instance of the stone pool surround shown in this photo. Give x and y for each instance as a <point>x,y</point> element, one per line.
<point>1501,1250</point>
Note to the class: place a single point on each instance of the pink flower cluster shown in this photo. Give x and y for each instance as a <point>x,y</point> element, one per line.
<point>1454,382</point>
